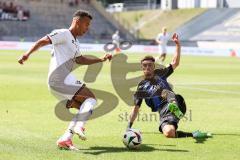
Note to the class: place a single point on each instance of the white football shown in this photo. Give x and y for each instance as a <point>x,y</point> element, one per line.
<point>132,138</point>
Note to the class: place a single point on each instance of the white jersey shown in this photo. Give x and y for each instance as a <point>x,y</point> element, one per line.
<point>116,38</point>
<point>163,46</point>
<point>163,38</point>
<point>65,49</point>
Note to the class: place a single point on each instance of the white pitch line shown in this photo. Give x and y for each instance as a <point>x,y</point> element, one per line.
<point>210,90</point>
<point>209,84</point>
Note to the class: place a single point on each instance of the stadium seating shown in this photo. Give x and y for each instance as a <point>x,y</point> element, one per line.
<point>138,4</point>
<point>11,11</point>
<point>54,14</point>
<point>227,30</point>
<point>222,26</point>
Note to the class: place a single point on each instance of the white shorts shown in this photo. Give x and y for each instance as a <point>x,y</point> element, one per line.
<point>67,89</point>
<point>116,42</point>
<point>162,49</point>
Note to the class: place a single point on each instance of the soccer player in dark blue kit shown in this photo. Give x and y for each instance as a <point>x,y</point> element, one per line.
<point>159,96</point>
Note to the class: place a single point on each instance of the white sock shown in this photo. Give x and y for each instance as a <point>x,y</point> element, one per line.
<point>85,112</point>
<point>80,118</point>
<point>68,133</point>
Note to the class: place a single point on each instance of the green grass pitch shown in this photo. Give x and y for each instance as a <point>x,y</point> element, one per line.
<point>29,128</point>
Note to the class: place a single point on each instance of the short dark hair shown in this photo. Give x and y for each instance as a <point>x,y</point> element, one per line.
<point>82,13</point>
<point>151,58</point>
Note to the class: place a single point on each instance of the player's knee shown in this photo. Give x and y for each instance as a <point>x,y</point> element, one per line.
<point>91,100</point>
<point>94,101</point>
<point>169,132</point>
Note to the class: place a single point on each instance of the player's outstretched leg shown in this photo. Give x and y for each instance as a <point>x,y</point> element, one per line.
<point>84,101</point>
<point>65,141</point>
<point>173,108</point>
<point>87,102</point>
<point>83,115</point>
<point>199,134</point>
<point>170,97</point>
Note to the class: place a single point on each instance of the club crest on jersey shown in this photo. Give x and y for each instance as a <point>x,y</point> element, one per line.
<point>154,88</point>
<point>146,85</point>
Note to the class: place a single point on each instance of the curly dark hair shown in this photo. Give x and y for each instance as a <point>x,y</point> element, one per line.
<point>82,13</point>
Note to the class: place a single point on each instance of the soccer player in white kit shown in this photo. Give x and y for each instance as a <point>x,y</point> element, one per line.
<point>162,39</point>
<point>61,82</point>
<point>116,40</point>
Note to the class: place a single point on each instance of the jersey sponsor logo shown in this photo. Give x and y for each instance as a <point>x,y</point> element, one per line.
<point>78,82</point>
<point>146,85</point>
<point>53,34</point>
<point>154,88</point>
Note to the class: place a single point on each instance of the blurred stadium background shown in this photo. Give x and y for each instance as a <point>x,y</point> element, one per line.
<point>201,23</point>
<point>210,85</point>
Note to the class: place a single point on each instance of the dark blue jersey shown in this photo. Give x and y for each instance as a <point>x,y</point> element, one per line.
<point>150,89</point>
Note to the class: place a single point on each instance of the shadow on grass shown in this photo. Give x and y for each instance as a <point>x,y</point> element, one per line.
<point>200,140</point>
<point>150,132</point>
<point>167,145</point>
<point>144,148</point>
